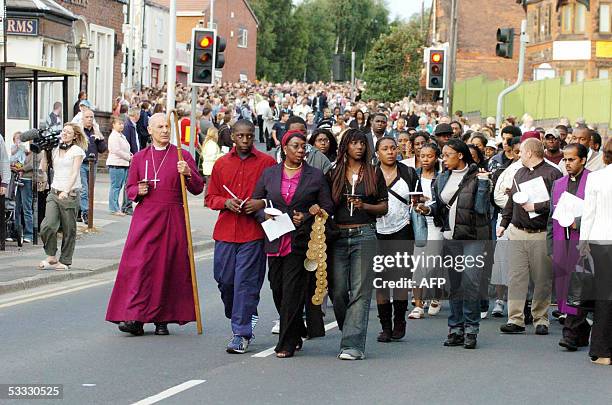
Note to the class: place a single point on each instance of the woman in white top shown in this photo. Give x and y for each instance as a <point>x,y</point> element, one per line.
<point>62,201</point>
<point>596,239</point>
<point>210,153</point>
<point>118,163</point>
<point>395,225</point>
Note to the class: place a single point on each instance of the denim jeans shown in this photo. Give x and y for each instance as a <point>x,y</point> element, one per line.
<point>24,204</point>
<point>464,297</point>
<point>118,178</point>
<point>351,286</point>
<point>85,185</point>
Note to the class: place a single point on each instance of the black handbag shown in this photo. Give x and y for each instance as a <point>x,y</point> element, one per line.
<point>581,291</point>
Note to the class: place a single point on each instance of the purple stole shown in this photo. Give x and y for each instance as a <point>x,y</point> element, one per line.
<point>565,254</point>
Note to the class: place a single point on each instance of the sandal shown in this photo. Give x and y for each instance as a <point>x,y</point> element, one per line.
<point>284,354</point>
<point>46,265</point>
<point>61,266</point>
<point>417,313</point>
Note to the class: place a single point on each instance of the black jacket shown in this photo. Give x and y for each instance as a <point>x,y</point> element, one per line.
<point>472,221</point>
<point>312,189</point>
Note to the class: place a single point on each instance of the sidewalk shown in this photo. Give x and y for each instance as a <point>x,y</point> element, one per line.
<point>96,251</point>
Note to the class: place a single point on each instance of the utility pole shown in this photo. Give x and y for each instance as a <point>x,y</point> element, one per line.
<point>130,46</point>
<point>171,83</point>
<point>422,16</point>
<point>521,72</point>
<point>353,76</point>
<point>450,78</point>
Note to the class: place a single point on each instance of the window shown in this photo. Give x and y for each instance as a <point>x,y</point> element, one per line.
<point>532,24</point>
<point>580,75</point>
<point>603,73</point>
<point>566,18</point>
<point>242,38</point>
<point>19,107</point>
<point>545,23</point>
<point>567,76</point>
<point>580,19</point>
<point>100,91</point>
<point>604,18</point>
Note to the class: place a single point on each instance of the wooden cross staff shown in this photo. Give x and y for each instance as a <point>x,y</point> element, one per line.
<point>194,280</point>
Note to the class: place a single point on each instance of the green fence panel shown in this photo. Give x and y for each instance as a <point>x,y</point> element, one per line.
<point>493,90</point>
<point>514,103</point>
<point>459,95</point>
<point>531,91</point>
<point>474,90</point>
<point>552,92</point>
<point>571,97</point>
<point>596,102</point>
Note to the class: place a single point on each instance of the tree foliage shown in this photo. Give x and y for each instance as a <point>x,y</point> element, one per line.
<point>394,64</point>
<point>297,41</point>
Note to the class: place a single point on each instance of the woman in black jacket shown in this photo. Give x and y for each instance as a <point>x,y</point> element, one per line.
<point>295,188</point>
<point>461,195</point>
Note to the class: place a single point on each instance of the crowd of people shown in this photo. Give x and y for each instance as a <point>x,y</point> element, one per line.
<point>403,171</point>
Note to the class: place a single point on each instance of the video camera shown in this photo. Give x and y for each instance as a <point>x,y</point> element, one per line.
<point>42,139</point>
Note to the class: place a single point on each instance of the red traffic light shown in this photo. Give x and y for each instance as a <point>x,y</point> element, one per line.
<point>205,42</point>
<point>436,57</point>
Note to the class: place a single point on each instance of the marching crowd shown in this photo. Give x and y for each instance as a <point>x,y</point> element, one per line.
<point>375,171</point>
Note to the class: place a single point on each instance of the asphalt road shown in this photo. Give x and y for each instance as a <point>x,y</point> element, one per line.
<point>58,335</point>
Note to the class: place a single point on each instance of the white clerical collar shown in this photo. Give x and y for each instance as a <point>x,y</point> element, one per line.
<point>158,148</point>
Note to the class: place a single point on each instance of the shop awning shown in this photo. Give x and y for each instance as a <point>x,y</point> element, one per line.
<point>25,72</point>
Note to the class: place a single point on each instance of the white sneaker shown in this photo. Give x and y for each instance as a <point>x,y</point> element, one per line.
<point>498,309</point>
<point>26,240</point>
<point>484,314</point>
<point>276,328</point>
<point>434,308</point>
<point>417,313</point>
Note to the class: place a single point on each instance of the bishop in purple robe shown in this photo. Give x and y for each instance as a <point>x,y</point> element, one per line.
<point>565,255</point>
<point>153,283</point>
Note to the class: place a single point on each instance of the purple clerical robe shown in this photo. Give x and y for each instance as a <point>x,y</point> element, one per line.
<point>565,252</point>
<point>154,280</point>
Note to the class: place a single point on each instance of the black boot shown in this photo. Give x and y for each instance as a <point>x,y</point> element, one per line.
<point>399,319</point>
<point>161,328</point>
<point>384,314</point>
<point>133,327</point>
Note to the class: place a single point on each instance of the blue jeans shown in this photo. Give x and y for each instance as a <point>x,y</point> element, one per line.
<point>118,178</point>
<point>24,204</point>
<point>85,185</point>
<point>464,296</point>
<point>351,286</point>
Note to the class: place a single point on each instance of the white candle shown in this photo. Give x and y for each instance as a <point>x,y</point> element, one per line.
<point>146,177</point>
<point>354,178</point>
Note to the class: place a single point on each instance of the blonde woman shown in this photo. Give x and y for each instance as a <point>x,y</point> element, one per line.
<point>210,153</point>
<point>63,199</point>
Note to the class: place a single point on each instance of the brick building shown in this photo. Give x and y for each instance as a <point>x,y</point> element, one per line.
<point>100,23</point>
<point>234,20</point>
<point>477,24</point>
<point>571,39</point>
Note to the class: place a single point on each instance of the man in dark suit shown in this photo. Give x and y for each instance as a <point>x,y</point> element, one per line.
<point>143,124</point>
<point>378,130</point>
<point>130,130</point>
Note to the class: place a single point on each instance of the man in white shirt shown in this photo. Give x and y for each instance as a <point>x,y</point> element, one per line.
<point>303,109</point>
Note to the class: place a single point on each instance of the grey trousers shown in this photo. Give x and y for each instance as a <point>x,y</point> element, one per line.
<point>60,214</point>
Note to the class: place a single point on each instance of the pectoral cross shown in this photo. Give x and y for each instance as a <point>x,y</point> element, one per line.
<point>155,181</point>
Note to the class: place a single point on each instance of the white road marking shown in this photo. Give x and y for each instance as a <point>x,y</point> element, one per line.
<point>77,285</point>
<point>270,351</point>
<point>169,392</point>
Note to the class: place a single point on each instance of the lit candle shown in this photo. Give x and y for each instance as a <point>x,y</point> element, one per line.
<point>355,177</point>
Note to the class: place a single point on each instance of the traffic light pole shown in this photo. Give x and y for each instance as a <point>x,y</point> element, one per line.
<point>519,80</point>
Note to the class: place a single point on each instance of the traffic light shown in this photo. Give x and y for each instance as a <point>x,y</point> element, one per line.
<point>505,42</point>
<point>436,69</point>
<point>219,56</point>
<point>203,48</point>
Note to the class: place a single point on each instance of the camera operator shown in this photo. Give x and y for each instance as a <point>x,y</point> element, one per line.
<point>95,144</point>
<point>62,201</point>
<point>5,171</point>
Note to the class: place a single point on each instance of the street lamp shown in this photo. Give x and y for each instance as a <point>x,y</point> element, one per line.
<point>82,49</point>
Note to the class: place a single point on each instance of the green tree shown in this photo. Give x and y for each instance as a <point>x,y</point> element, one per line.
<point>394,64</point>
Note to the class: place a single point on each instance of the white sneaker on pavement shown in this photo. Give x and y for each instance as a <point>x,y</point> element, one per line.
<point>417,313</point>
<point>498,309</point>
<point>434,308</point>
<point>484,314</point>
<point>276,328</point>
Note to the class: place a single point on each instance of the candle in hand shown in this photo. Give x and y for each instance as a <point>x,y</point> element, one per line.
<point>354,178</point>
<point>146,177</point>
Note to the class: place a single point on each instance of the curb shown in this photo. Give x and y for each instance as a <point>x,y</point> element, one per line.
<point>57,277</point>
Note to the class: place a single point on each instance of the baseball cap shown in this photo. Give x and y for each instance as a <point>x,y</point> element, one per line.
<point>87,104</point>
<point>552,131</point>
<point>491,144</point>
<point>529,135</point>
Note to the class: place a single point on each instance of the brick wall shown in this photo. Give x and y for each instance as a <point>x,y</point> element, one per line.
<point>477,22</point>
<point>106,13</point>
